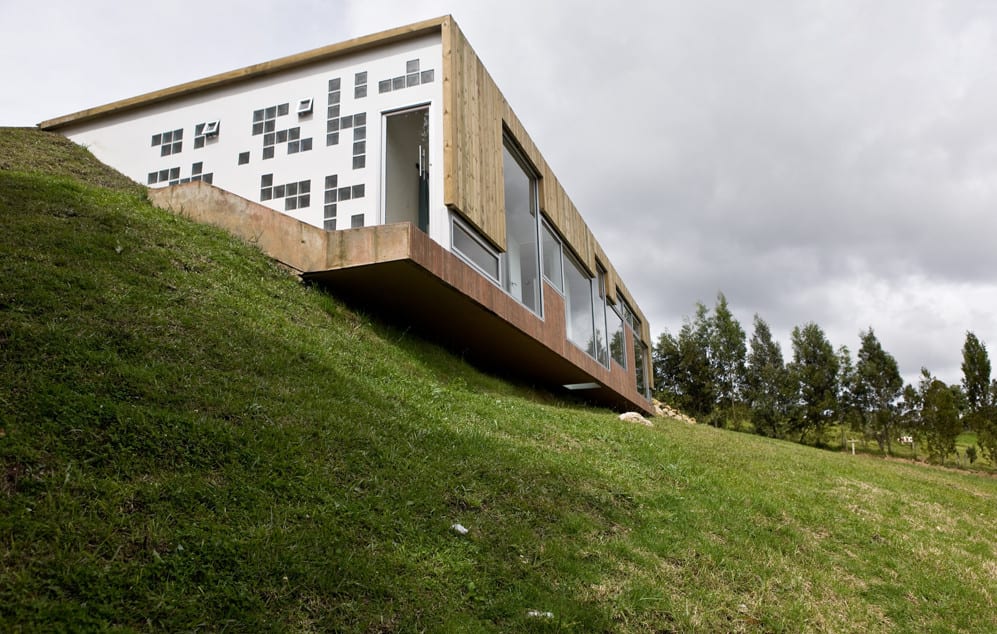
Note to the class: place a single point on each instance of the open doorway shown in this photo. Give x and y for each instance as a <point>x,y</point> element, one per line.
<point>406,167</point>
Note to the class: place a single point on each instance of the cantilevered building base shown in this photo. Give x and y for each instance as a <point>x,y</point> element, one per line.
<point>398,269</point>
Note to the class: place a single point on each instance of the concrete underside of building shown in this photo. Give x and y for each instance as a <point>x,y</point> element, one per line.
<point>397,270</point>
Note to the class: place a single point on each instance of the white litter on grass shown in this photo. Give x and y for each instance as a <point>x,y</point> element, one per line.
<point>459,529</point>
<point>537,614</point>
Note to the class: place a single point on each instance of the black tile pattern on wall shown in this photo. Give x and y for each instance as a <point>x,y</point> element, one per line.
<point>413,77</point>
<point>169,142</point>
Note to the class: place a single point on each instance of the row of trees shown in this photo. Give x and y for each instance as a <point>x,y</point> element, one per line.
<point>711,370</point>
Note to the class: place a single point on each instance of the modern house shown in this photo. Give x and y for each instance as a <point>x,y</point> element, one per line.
<point>391,168</point>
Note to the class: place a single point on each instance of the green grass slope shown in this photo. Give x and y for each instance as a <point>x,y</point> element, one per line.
<point>191,440</point>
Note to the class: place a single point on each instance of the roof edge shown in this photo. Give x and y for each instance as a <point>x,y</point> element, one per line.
<point>323,53</point>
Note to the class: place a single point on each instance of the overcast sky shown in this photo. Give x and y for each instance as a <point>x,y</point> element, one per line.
<point>833,162</point>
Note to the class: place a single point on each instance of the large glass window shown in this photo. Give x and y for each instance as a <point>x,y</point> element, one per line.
<point>617,336</point>
<point>551,255</point>
<point>522,257</point>
<point>599,346</point>
<point>473,249</point>
<point>578,300</point>
<point>640,364</point>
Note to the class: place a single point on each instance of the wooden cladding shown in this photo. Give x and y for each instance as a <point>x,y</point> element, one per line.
<point>472,138</point>
<point>476,116</point>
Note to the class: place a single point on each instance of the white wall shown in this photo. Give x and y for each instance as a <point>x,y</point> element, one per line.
<point>124,141</point>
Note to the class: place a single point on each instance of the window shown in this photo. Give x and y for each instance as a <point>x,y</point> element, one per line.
<point>551,255</point>
<point>473,249</point>
<point>640,365</point>
<point>599,346</point>
<point>617,336</point>
<point>578,296</point>
<point>521,261</point>
<point>305,106</point>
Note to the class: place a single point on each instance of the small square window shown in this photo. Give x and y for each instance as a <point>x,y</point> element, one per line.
<point>304,201</point>
<point>359,162</point>
<point>266,193</point>
<point>360,147</point>
<point>427,76</point>
<point>359,134</point>
<point>384,86</point>
<point>268,152</point>
<point>360,119</point>
<point>199,129</point>
<point>333,112</point>
<point>270,138</point>
<point>278,191</point>
<point>290,204</point>
<point>209,177</point>
<point>334,84</point>
<point>283,109</point>
<point>167,137</point>
<point>153,178</point>
<point>358,191</point>
<point>272,112</point>
<point>197,168</point>
<point>304,107</point>
<point>178,134</point>
<point>332,125</point>
<point>412,80</point>
<point>331,181</point>
<point>304,187</point>
<point>360,78</point>
<point>294,134</point>
<point>356,221</point>
<point>269,125</point>
<point>177,147</point>
<point>330,196</point>
<point>344,193</point>
<point>174,173</point>
<point>157,139</point>
<point>291,189</point>
<point>329,224</point>
<point>412,66</point>
<point>165,150</point>
<point>332,138</point>
<point>266,180</point>
<point>257,115</point>
<point>330,210</point>
<point>346,122</point>
<point>397,83</point>
<point>257,128</point>
<point>306,144</point>
<point>198,142</point>
<point>293,147</point>
<point>164,175</point>
<point>333,98</point>
<point>360,92</point>
<point>281,136</point>
<point>243,158</point>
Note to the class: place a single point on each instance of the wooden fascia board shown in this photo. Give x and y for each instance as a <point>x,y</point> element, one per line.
<point>306,58</point>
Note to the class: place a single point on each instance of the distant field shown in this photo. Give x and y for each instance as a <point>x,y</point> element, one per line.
<point>191,440</point>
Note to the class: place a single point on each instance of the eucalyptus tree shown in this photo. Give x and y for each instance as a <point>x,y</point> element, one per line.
<point>766,382</point>
<point>814,375</point>
<point>940,425</point>
<point>878,386</point>
<point>727,359</point>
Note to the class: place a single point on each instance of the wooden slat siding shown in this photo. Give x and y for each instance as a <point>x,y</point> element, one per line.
<point>473,150</point>
<point>297,60</point>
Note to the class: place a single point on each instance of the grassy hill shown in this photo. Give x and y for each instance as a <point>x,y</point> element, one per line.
<point>192,440</point>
